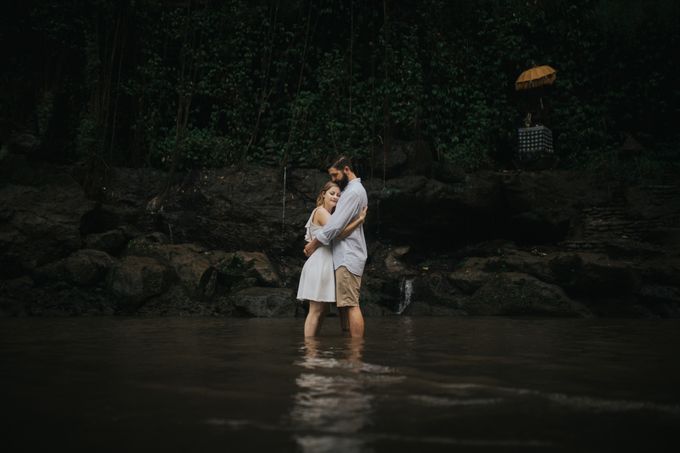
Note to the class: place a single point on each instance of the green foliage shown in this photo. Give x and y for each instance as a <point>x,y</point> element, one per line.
<point>218,83</point>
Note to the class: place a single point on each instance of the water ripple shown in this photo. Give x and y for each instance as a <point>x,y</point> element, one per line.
<point>437,401</point>
<point>465,442</point>
<point>575,401</point>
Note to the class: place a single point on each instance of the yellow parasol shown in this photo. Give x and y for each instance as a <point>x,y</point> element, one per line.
<point>536,77</point>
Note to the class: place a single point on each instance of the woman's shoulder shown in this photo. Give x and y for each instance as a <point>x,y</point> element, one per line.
<point>320,216</point>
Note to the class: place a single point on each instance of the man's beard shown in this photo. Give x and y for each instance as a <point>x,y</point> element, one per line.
<point>343,182</point>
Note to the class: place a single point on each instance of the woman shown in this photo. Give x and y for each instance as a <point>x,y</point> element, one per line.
<point>317,280</point>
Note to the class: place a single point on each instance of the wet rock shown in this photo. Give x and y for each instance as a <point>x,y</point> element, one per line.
<point>132,187</point>
<point>136,278</point>
<point>261,266</point>
<point>231,275</point>
<point>594,275</point>
<point>468,280</point>
<point>40,225</point>
<point>660,294</point>
<point>176,301</point>
<point>602,242</point>
<point>111,242</point>
<point>240,209</point>
<point>194,267</point>
<point>664,236</point>
<point>411,294</point>
<point>473,272</point>
<point>380,292</point>
<point>101,219</point>
<point>193,264</point>
<point>393,262</point>
<point>541,207</point>
<point>371,309</point>
<point>432,287</point>
<point>390,164</point>
<point>264,302</point>
<point>82,268</point>
<point>654,205</point>
<point>533,262</point>
<point>73,301</point>
<point>442,213</point>
<point>513,293</point>
<point>202,272</point>
<point>14,296</point>
<point>403,157</point>
<point>24,297</point>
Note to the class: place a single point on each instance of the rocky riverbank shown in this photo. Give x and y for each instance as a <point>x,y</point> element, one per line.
<point>229,242</point>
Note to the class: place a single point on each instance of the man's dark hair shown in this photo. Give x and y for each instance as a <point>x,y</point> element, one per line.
<point>342,162</point>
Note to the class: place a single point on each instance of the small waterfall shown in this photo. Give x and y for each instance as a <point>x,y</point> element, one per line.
<point>406,294</point>
<point>283,199</point>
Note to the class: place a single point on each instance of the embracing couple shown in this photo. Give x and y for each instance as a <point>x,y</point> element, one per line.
<point>336,251</point>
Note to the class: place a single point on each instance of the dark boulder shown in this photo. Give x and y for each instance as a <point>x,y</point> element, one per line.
<point>15,296</point>
<point>513,293</point>
<point>594,275</point>
<point>191,263</point>
<point>111,241</point>
<point>264,302</point>
<point>135,279</point>
<point>82,268</point>
<point>402,157</point>
<point>40,225</point>
<point>470,277</point>
<point>202,271</point>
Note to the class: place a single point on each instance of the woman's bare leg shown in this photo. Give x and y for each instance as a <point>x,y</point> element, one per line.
<point>315,316</point>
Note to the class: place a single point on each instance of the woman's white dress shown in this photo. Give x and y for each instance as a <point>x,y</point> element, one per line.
<point>317,280</point>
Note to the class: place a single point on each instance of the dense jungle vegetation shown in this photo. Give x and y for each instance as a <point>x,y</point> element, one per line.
<point>182,84</point>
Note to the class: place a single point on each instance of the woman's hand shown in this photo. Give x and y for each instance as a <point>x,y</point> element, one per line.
<point>311,247</point>
<point>362,214</point>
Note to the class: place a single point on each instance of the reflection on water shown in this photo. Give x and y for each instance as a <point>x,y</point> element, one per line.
<point>331,408</point>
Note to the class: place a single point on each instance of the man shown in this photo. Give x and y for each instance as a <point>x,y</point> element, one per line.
<point>349,254</point>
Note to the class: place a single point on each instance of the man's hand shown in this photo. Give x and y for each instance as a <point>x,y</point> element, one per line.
<point>311,247</point>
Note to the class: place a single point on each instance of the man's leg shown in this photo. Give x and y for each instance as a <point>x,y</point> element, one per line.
<point>344,319</point>
<point>356,322</point>
<point>347,286</point>
<point>315,316</point>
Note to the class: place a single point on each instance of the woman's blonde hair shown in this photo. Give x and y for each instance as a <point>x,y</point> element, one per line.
<point>326,187</point>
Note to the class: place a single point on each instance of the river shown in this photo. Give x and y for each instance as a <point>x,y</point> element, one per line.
<point>414,384</point>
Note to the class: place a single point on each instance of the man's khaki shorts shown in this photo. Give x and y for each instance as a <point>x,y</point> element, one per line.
<point>347,287</point>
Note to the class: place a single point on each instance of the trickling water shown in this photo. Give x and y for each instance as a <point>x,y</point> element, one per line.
<point>406,294</point>
<point>283,201</point>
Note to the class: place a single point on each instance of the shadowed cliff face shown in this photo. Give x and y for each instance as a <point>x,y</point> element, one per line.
<point>523,208</point>
<point>230,241</point>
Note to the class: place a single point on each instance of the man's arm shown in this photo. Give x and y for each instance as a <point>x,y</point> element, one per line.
<point>354,224</point>
<point>338,221</point>
<point>342,216</point>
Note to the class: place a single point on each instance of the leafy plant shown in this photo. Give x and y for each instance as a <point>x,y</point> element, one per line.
<point>187,84</point>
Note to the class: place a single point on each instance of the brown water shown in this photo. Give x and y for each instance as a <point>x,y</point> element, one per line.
<point>414,384</point>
